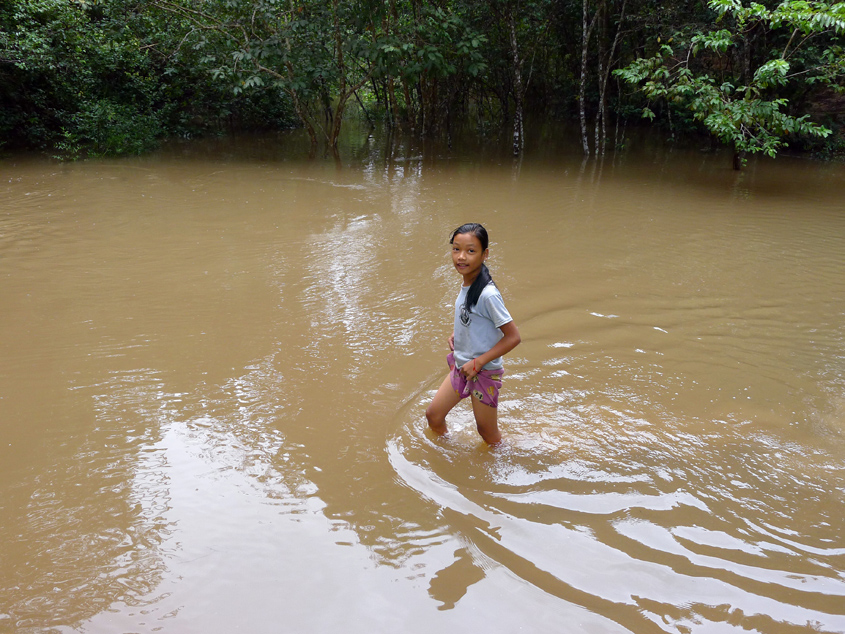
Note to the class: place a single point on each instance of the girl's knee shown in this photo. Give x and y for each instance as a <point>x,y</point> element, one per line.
<point>436,421</point>
<point>490,434</point>
<point>487,422</point>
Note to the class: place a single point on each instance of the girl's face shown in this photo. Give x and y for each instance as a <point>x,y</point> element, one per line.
<point>468,256</point>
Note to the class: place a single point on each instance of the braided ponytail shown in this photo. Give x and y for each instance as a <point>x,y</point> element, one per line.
<point>482,279</point>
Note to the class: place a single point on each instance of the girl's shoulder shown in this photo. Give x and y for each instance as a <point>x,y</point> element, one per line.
<point>492,305</point>
<point>491,290</point>
<point>490,296</point>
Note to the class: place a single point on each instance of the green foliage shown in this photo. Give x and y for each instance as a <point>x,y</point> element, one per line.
<point>102,77</point>
<point>751,113</point>
<point>322,53</point>
<point>105,128</point>
<point>96,77</point>
<point>89,71</point>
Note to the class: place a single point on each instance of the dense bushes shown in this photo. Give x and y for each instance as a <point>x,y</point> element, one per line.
<point>108,78</point>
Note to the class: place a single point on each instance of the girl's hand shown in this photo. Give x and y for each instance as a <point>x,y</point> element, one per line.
<point>452,342</point>
<point>470,369</point>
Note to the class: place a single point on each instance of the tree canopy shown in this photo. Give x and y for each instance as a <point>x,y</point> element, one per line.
<point>747,106</point>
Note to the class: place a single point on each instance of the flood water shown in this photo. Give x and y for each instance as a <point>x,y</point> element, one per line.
<point>214,363</point>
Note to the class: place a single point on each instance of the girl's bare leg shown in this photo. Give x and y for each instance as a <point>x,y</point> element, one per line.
<point>440,405</point>
<point>486,421</point>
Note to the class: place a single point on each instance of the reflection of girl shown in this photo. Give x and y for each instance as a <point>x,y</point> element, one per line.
<point>484,331</point>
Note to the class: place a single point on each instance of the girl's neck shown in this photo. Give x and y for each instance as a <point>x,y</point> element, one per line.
<point>468,282</point>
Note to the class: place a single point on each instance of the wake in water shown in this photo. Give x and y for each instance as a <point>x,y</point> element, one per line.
<point>638,514</point>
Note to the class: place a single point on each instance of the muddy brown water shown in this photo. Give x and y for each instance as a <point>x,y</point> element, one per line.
<point>214,363</point>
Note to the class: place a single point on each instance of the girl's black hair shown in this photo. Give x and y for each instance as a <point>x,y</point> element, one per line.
<point>483,278</point>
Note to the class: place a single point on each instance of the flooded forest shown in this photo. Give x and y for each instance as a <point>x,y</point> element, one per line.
<point>112,77</point>
<point>227,295</point>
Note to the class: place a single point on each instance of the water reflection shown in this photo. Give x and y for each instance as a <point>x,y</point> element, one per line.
<point>88,530</point>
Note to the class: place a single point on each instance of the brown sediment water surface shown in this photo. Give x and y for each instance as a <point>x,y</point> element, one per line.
<point>215,361</point>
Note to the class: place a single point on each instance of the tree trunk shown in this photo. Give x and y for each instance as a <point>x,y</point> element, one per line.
<point>298,106</point>
<point>600,109</point>
<point>393,107</point>
<point>582,90</point>
<point>604,78</point>
<point>409,106</point>
<point>336,122</point>
<point>519,97</point>
<point>300,111</point>
<point>343,95</point>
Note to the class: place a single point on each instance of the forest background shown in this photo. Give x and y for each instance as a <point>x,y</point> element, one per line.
<point>111,77</point>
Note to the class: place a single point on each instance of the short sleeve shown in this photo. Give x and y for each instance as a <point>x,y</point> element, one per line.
<point>494,306</point>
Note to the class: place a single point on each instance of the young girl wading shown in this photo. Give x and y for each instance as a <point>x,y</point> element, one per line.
<point>484,331</point>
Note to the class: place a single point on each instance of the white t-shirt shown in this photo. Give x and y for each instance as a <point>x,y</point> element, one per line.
<point>478,331</point>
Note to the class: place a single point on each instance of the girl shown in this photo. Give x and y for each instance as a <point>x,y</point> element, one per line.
<point>484,331</point>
